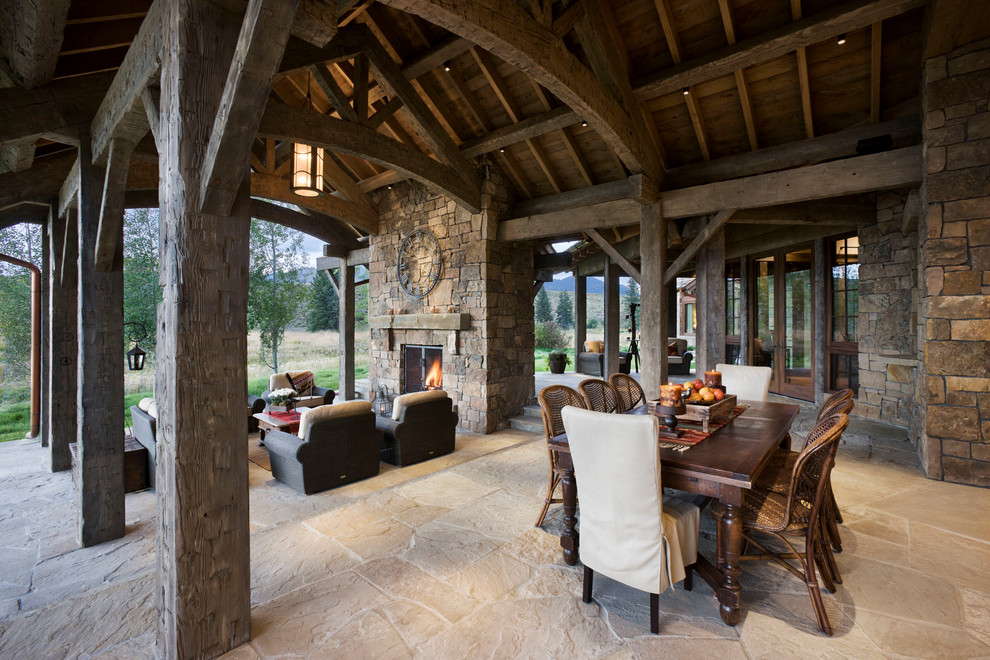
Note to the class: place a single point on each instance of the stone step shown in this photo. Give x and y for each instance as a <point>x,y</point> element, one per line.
<point>530,423</point>
<point>533,410</point>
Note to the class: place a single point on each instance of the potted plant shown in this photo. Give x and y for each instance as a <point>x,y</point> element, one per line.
<point>557,361</point>
<point>281,400</point>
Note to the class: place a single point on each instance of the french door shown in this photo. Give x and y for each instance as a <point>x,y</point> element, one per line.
<point>783,322</point>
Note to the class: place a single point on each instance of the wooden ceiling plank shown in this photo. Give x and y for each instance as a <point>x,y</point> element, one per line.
<point>847,17</point>
<point>565,135</point>
<point>326,82</point>
<point>121,114</point>
<point>890,169</point>
<point>876,44</point>
<point>509,32</point>
<point>616,256</point>
<point>713,226</point>
<point>293,124</point>
<point>260,44</point>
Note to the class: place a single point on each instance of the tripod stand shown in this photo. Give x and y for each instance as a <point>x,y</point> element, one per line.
<point>633,346</point>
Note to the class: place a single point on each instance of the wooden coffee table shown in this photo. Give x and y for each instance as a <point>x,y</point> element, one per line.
<point>268,423</point>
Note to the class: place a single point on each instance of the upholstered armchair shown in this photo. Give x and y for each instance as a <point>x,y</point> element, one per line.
<point>591,360</point>
<point>144,428</point>
<point>308,394</point>
<point>336,445</point>
<point>422,426</point>
<point>678,357</point>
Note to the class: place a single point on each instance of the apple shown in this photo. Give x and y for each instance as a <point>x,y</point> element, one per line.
<point>698,384</point>
<point>719,395</point>
<point>688,385</point>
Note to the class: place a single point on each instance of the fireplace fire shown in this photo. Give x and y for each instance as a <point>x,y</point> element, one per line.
<point>423,368</point>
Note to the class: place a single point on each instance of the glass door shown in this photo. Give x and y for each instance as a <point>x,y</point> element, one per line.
<point>784,324</point>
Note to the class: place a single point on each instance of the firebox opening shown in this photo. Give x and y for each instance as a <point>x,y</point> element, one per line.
<point>423,368</point>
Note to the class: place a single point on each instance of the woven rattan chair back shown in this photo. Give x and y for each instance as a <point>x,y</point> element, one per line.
<point>599,395</point>
<point>811,471</point>
<point>842,407</point>
<point>629,391</point>
<point>553,398</point>
<point>833,403</point>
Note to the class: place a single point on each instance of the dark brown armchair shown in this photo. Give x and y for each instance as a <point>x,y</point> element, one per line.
<point>336,445</point>
<point>422,426</point>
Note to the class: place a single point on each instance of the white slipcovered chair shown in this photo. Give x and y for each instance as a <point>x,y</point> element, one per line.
<point>747,383</point>
<point>629,531</point>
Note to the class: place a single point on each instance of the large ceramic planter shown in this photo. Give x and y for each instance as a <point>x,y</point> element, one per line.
<point>557,365</point>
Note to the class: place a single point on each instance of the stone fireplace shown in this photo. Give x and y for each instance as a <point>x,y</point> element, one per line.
<point>480,314</point>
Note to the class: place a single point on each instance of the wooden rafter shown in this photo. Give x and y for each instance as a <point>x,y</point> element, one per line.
<point>876,44</point>
<point>615,255</point>
<point>847,17</point>
<point>802,68</point>
<point>294,124</point>
<point>260,44</point>
<point>509,32</point>
<point>328,84</point>
<point>740,75</point>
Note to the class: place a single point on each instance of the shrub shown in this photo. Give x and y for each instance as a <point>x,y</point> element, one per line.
<point>593,324</point>
<point>550,335</point>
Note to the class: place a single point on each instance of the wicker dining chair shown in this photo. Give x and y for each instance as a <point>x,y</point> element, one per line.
<point>599,395</point>
<point>796,512</point>
<point>630,392</point>
<point>552,399</point>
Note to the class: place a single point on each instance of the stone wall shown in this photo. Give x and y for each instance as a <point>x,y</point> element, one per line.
<point>888,303</point>
<point>955,253</point>
<point>491,378</point>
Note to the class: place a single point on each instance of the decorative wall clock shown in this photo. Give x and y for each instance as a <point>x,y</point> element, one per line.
<point>420,263</point>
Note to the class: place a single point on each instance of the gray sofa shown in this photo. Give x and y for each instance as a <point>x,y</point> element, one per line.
<point>336,445</point>
<point>679,364</point>
<point>422,426</point>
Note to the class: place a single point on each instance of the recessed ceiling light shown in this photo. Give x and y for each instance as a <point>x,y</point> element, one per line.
<point>686,91</point>
<point>842,39</point>
<point>446,66</point>
<point>584,122</point>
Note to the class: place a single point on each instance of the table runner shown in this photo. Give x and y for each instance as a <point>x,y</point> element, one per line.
<point>291,418</point>
<point>692,430</point>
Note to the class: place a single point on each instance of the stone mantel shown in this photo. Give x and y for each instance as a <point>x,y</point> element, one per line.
<point>451,322</point>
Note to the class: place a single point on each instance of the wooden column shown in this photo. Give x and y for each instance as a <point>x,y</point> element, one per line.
<point>654,300</point>
<point>711,303</point>
<point>580,314</point>
<point>203,581</point>
<point>62,327</point>
<point>100,395</point>
<point>819,265</point>
<point>46,373</point>
<point>612,271</point>
<point>744,312</point>
<point>346,325</point>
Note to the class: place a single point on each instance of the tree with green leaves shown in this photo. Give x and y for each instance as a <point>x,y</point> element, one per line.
<point>274,287</point>
<point>565,311</point>
<point>544,313</point>
<point>142,293</point>
<point>323,312</point>
<point>632,293</point>
<point>21,242</point>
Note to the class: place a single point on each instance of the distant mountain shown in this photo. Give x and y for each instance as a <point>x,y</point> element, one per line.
<point>595,285</point>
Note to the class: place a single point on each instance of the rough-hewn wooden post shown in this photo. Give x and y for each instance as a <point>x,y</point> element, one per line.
<point>203,562</point>
<point>654,300</point>
<point>744,311</point>
<point>63,326</point>
<point>46,371</point>
<point>580,314</point>
<point>346,325</point>
<point>819,331</point>
<point>100,396</point>
<point>711,303</point>
<point>612,271</point>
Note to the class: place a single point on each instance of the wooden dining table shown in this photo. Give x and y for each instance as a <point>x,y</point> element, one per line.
<point>722,466</point>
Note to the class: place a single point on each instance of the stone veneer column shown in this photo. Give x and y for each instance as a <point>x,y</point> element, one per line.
<point>955,254</point>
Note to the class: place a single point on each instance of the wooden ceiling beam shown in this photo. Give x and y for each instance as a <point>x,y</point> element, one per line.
<point>876,44</point>
<point>903,132</point>
<point>697,122</point>
<point>64,106</point>
<point>31,33</point>
<point>847,17</point>
<point>553,224</point>
<point>528,128</point>
<point>507,31</point>
<point>30,212</point>
<point>313,27</point>
<point>826,212</point>
<point>260,44</point>
<point>615,255</point>
<point>294,124</point>
<point>345,185</point>
<point>638,187</point>
<point>277,188</point>
<point>747,106</point>
<point>711,228</point>
<point>890,169</point>
<point>566,137</point>
<point>326,82</point>
<point>322,226</point>
<point>803,81</point>
<point>39,184</point>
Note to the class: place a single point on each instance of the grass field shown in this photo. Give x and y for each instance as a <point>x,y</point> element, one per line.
<point>315,351</point>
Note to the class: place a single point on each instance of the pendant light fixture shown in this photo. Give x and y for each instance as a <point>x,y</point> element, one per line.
<point>307,162</point>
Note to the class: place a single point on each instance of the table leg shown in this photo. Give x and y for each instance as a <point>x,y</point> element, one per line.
<point>569,539</point>
<point>730,547</point>
<point>261,436</point>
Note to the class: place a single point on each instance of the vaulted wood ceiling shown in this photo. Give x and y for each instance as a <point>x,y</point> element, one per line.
<point>709,90</point>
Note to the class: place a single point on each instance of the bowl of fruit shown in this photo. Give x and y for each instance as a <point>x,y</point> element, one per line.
<point>699,395</point>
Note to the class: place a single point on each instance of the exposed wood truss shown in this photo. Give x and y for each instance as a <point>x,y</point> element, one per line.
<point>714,226</point>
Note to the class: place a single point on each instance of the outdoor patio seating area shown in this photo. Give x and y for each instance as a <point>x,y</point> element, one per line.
<point>441,559</point>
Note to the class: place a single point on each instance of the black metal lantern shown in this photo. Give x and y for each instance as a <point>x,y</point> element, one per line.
<point>135,356</point>
<point>307,164</point>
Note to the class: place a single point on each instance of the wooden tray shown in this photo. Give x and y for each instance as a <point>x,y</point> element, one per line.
<point>704,412</point>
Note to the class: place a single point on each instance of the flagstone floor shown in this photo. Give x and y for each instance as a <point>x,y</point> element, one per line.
<point>441,560</point>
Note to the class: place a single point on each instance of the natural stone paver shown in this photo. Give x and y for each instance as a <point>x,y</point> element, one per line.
<point>445,562</point>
